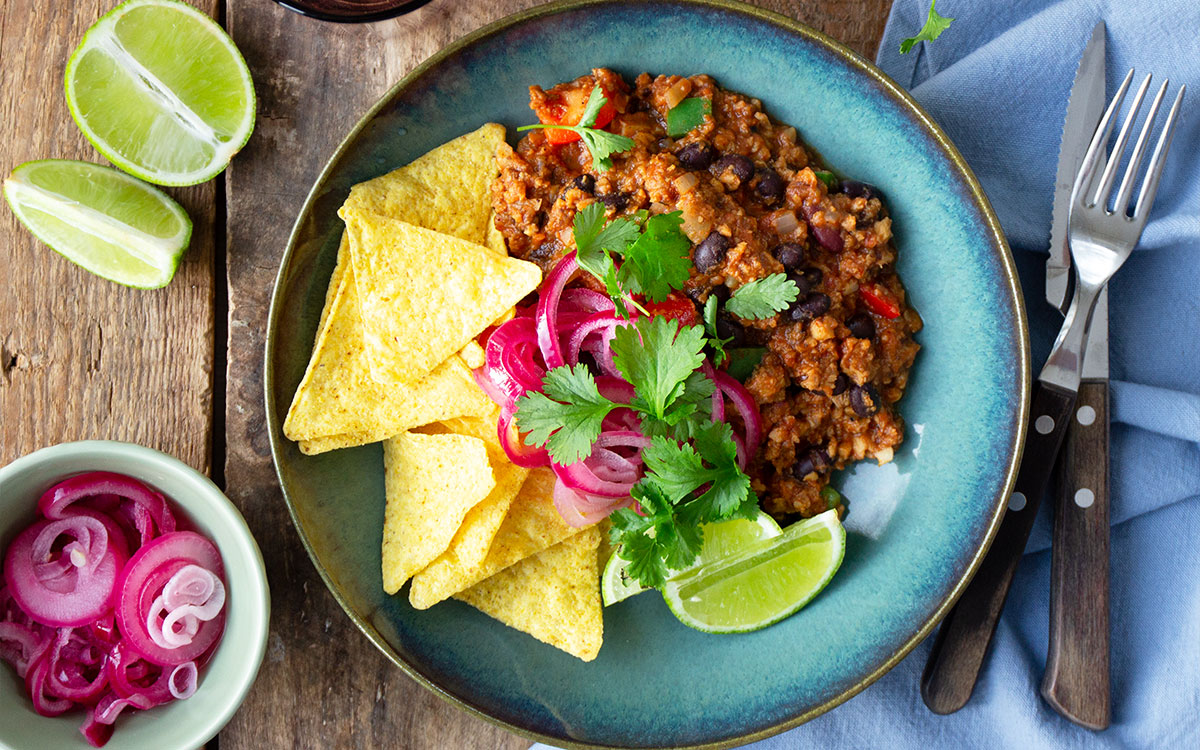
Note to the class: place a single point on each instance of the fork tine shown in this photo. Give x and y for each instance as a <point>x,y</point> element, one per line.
<point>1157,162</point>
<point>1139,150</point>
<point>1100,197</point>
<point>1095,152</point>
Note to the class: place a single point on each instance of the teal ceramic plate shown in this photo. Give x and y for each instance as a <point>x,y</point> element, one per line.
<point>918,526</point>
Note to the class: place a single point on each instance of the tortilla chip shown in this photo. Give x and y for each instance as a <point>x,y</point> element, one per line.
<point>483,427</point>
<point>494,240</point>
<point>432,481</point>
<point>339,399</point>
<point>423,295</point>
<point>474,538</point>
<point>447,190</point>
<point>532,525</point>
<point>553,596</point>
<point>472,354</point>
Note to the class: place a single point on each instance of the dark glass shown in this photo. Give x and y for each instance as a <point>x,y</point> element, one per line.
<point>352,11</point>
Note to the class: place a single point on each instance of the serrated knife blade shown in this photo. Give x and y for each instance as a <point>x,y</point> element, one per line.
<point>1084,108</point>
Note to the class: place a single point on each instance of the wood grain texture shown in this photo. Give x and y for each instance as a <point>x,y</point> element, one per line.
<point>1076,683</point>
<point>323,685</point>
<point>81,357</point>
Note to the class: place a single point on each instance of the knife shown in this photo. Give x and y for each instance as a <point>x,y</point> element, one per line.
<point>1076,682</point>
<point>963,639</point>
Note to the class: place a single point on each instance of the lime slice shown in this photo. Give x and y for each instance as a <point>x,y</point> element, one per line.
<point>764,582</point>
<point>720,539</point>
<point>105,221</point>
<point>162,92</point>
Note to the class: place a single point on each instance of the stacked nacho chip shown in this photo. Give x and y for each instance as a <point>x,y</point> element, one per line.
<point>421,271</point>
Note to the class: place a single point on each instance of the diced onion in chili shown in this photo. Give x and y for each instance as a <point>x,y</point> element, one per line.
<point>686,182</point>
<point>678,92</point>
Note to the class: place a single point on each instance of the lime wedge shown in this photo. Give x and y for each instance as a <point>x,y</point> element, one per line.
<point>720,539</point>
<point>762,583</point>
<point>105,221</point>
<point>161,91</point>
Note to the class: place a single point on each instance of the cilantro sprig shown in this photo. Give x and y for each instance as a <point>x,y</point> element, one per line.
<point>686,115</point>
<point>763,297</point>
<point>715,342</point>
<point>685,485</point>
<point>691,475</point>
<point>566,416</point>
<point>933,28</point>
<point>654,250</point>
<point>601,144</point>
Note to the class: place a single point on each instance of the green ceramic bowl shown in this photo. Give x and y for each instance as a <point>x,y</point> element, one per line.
<point>917,527</point>
<point>182,725</point>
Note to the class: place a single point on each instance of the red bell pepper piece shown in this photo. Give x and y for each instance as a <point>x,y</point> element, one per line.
<point>566,108</point>
<point>879,301</point>
<point>677,307</point>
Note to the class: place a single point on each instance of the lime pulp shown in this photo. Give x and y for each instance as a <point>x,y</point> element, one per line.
<point>160,89</point>
<point>764,582</point>
<point>720,539</point>
<point>107,222</point>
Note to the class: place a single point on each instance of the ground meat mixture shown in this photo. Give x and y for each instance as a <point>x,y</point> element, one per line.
<point>835,363</point>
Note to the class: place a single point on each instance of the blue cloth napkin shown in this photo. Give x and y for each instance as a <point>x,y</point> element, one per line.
<point>997,81</point>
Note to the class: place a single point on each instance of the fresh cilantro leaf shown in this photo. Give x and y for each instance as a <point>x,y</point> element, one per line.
<point>567,416</point>
<point>600,143</point>
<point>686,115</point>
<point>594,244</point>
<point>729,495</point>
<point>676,469</point>
<point>715,342</point>
<point>603,144</point>
<point>657,262</point>
<point>743,360</point>
<point>654,542</point>
<point>829,178</point>
<point>595,102</point>
<point>656,356</point>
<point>690,410</point>
<point>763,297</point>
<point>933,28</point>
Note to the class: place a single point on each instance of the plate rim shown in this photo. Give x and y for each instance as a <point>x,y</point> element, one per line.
<point>890,89</point>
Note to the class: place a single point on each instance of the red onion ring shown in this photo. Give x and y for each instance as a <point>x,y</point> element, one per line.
<point>514,446</point>
<point>744,403</point>
<point>76,598</point>
<point>546,316</point>
<point>54,502</point>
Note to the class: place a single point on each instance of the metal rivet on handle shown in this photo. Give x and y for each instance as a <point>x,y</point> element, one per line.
<point>1016,502</point>
<point>1044,424</point>
<point>1084,498</point>
<point>1086,415</point>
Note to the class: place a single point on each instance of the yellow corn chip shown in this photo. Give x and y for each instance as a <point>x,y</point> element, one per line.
<point>423,295</point>
<point>483,427</point>
<point>532,525</point>
<point>473,539</point>
<point>447,190</point>
<point>338,399</point>
<point>554,596</point>
<point>431,481</point>
<point>472,354</point>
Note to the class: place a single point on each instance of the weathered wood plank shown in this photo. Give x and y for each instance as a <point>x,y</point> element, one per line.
<point>323,685</point>
<point>81,357</point>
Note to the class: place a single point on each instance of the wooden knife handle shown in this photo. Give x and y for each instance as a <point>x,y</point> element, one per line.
<point>1076,682</point>
<point>962,642</point>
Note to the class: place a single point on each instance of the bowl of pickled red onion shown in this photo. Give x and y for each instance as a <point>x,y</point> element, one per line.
<point>133,601</point>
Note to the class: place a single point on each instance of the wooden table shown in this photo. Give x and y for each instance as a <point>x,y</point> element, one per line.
<point>180,369</point>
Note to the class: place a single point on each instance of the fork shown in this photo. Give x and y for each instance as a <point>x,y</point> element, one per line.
<point>1076,681</point>
<point>1100,240</point>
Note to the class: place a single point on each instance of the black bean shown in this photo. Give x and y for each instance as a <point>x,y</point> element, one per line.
<point>711,251</point>
<point>864,399</point>
<point>809,461</point>
<point>814,305</point>
<point>861,326</point>
<point>665,144</point>
<point>721,292</point>
<point>585,182</point>
<point>813,276</point>
<point>840,384</point>
<point>727,328</point>
<point>770,185</point>
<point>790,254</point>
<point>856,189</point>
<point>696,155</point>
<point>741,167</point>
<point>802,285</point>
<point>615,201</point>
